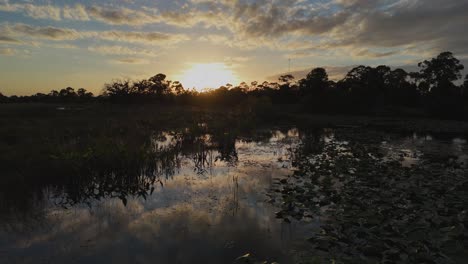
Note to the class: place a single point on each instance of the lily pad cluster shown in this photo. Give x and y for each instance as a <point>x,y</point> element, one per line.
<point>371,209</point>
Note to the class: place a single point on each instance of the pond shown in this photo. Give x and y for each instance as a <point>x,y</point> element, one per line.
<point>273,194</point>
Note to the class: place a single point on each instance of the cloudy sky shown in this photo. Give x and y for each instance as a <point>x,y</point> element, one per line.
<point>48,45</point>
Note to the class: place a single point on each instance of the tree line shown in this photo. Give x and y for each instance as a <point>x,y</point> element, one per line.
<point>65,95</point>
<point>435,90</point>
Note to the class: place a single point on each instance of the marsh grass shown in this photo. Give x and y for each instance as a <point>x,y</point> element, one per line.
<point>83,153</point>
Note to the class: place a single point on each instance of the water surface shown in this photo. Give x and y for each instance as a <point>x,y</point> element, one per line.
<point>200,198</point>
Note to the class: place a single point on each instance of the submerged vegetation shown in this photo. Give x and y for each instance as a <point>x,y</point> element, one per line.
<point>374,208</point>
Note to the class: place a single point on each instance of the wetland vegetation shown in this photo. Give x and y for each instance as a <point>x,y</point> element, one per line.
<point>286,172</point>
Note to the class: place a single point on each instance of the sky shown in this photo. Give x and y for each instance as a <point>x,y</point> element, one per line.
<point>47,45</point>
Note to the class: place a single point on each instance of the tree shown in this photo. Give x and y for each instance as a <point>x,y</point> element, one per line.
<point>316,82</point>
<point>82,93</point>
<point>287,89</point>
<point>143,87</point>
<point>357,79</point>
<point>53,93</point>
<point>286,79</point>
<point>438,74</point>
<point>156,85</point>
<point>381,77</point>
<point>120,89</point>
<point>464,91</point>
<point>400,90</point>
<point>177,88</point>
<point>465,87</point>
<point>67,93</point>
<point>159,85</point>
<point>435,79</point>
<point>368,87</point>
<point>3,99</point>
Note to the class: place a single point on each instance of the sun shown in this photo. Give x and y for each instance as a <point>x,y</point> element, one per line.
<point>207,75</point>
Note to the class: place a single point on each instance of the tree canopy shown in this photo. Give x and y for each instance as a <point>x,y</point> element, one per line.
<point>364,89</point>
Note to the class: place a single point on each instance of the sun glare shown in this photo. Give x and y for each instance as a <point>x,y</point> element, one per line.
<point>207,75</point>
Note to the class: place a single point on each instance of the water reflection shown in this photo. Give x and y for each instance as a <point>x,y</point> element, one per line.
<point>182,197</point>
<point>412,150</point>
<point>185,198</point>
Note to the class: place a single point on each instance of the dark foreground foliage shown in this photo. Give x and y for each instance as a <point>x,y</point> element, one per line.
<point>79,154</point>
<point>372,209</point>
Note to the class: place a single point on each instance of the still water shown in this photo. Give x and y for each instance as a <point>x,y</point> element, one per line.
<point>209,202</point>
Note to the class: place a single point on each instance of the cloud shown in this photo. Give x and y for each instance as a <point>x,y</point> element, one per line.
<point>32,10</point>
<point>359,4</point>
<point>77,12</point>
<point>121,50</point>
<point>418,22</point>
<point>115,15</point>
<point>61,46</point>
<point>121,16</point>
<point>63,34</point>
<point>289,17</point>
<point>141,37</point>
<point>372,54</point>
<point>106,14</point>
<point>235,61</point>
<point>240,42</point>
<point>51,33</point>
<point>130,61</point>
<point>7,51</point>
<point>42,12</point>
<point>8,40</point>
<point>360,26</point>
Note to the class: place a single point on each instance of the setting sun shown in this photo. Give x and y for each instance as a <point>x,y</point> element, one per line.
<point>207,75</point>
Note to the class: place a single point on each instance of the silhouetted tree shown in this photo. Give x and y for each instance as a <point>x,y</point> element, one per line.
<point>142,87</point>
<point>286,89</point>
<point>465,95</point>
<point>436,78</point>
<point>3,99</point>
<point>316,82</point>
<point>83,94</point>
<point>356,79</point>
<point>67,93</point>
<point>53,93</point>
<point>364,89</point>
<point>316,91</point>
<point>439,73</point>
<point>39,97</point>
<point>159,85</point>
<point>286,79</point>
<point>177,88</point>
<point>120,90</point>
<point>372,88</point>
<point>465,86</point>
<point>244,86</point>
<point>399,90</point>
<point>357,83</point>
